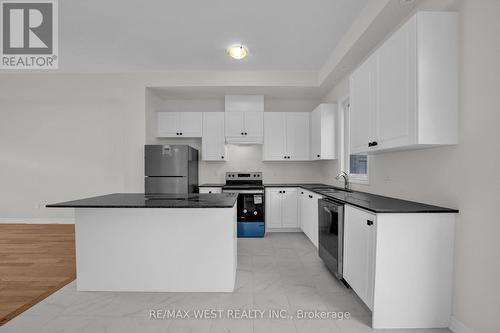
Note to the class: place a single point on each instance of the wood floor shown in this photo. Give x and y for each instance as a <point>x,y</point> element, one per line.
<point>35,261</point>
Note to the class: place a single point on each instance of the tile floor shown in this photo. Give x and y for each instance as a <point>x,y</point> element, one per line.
<point>280,271</point>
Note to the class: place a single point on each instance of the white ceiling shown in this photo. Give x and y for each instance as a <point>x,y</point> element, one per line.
<point>166,35</point>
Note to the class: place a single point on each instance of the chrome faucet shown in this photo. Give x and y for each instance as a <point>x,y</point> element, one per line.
<point>346,179</point>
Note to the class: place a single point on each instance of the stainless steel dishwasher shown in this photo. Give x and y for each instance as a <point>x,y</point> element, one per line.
<point>331,234</point>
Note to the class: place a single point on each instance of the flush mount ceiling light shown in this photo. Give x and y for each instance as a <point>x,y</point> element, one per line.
<point>237,51</point>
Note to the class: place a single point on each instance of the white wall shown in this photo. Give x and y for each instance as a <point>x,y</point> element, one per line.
<point>240,157</point>
<point>464,176</point>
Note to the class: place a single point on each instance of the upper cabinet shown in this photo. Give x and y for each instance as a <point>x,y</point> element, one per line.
<point>286,136</point>
<point>213,142</point>
<point>323,132</point>
<point>179,124</point>
<point>405,95</point>
<point>244,116</point>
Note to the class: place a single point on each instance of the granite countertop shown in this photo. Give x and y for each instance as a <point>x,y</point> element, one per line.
<point>372,202</point>
<point>141,200</point>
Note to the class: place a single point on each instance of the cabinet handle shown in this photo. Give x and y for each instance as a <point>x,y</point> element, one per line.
<point>222,157</point>
<point>241,133</point>
<point>370,144</point>
<point>301,192</point>
<point>209,191</point>
<point>318,155</point>
<point>176,133</point>
<point>284,191</point>
<point>310,196</point>
<point>374,143</point>
<point>369,222</point>
<point>246,133</point>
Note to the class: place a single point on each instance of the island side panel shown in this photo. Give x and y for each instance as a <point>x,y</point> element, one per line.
<point>413,270</point>
<point>156,249</point>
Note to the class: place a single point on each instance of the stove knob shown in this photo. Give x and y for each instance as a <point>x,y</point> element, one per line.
<point>245,211</point>
<point>255,213</point>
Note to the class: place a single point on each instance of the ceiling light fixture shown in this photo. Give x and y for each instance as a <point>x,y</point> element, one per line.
<point>237,51</point>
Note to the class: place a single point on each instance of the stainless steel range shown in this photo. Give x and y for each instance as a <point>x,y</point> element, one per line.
<point>250,205</point>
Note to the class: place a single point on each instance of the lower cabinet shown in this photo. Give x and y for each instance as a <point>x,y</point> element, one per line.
<point>401,266</point>
<point>210,189</point>
<point>281,207</point>
<point>308,214</point>
<point>359,252</point>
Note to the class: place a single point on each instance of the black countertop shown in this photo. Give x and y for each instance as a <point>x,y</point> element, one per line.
<point>212,185</point>
<point>140,200</point>
<point>372,202</point>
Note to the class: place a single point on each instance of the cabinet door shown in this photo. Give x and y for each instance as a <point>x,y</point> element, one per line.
<point>254,124</point>
<point>289,208</point>
<point>306,214</point>
<point>273,207</point>
<point>396,88</point>
<point>316,134</point>
<point>235,123</point>
<point>274,136</point>
<point>359,252</point>
<point>297,135</point>
<point>362,114</point>
<point>167,124</point>
<point>314,218</point>
<point>213,143</point>
<point>190,124</point>
<point>302,208</point>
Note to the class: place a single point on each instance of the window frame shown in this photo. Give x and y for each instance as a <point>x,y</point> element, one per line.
<point>344,165</point>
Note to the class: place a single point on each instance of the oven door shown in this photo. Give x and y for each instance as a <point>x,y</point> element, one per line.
<point>331,234</point>
<point>250,212</point>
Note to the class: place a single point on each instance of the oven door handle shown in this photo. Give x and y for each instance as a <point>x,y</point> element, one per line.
<point>244,191</point>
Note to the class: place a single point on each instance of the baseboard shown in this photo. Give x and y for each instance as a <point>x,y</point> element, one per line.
<point>457,326</point>
<point>37,220</point>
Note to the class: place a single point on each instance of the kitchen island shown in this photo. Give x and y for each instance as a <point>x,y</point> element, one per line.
<point>155,243</point>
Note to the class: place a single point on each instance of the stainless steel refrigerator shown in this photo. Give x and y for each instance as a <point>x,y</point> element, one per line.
<point>170,169</point>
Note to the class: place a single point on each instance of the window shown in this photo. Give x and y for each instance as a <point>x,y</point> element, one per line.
<point>357,166</point>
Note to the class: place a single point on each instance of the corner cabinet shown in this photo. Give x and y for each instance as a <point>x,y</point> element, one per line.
<point>179,124</point>
<point>405,95</point>
<point>281,208</point>
<point>286,136</point>
<point>213,141</point>
<point>323,132</point>
<point>244,119</point>
<point>401,266</point>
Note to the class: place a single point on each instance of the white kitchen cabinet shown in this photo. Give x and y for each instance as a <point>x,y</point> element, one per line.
<point>244,127</point>
<point>384,257</point>
<point>244,117</point>
<point>210,190</point>
<point>289,200</point>
<point>281,207</point>
<point>323,132</point>
<point>359,252</point>
<point>213,142</point>
<point>405,95</point>
<point>309,214</point>
<point>286,136</point>
<point>179,124</point>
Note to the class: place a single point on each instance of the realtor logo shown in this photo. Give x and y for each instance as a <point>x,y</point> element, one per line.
<point>29,34</point>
